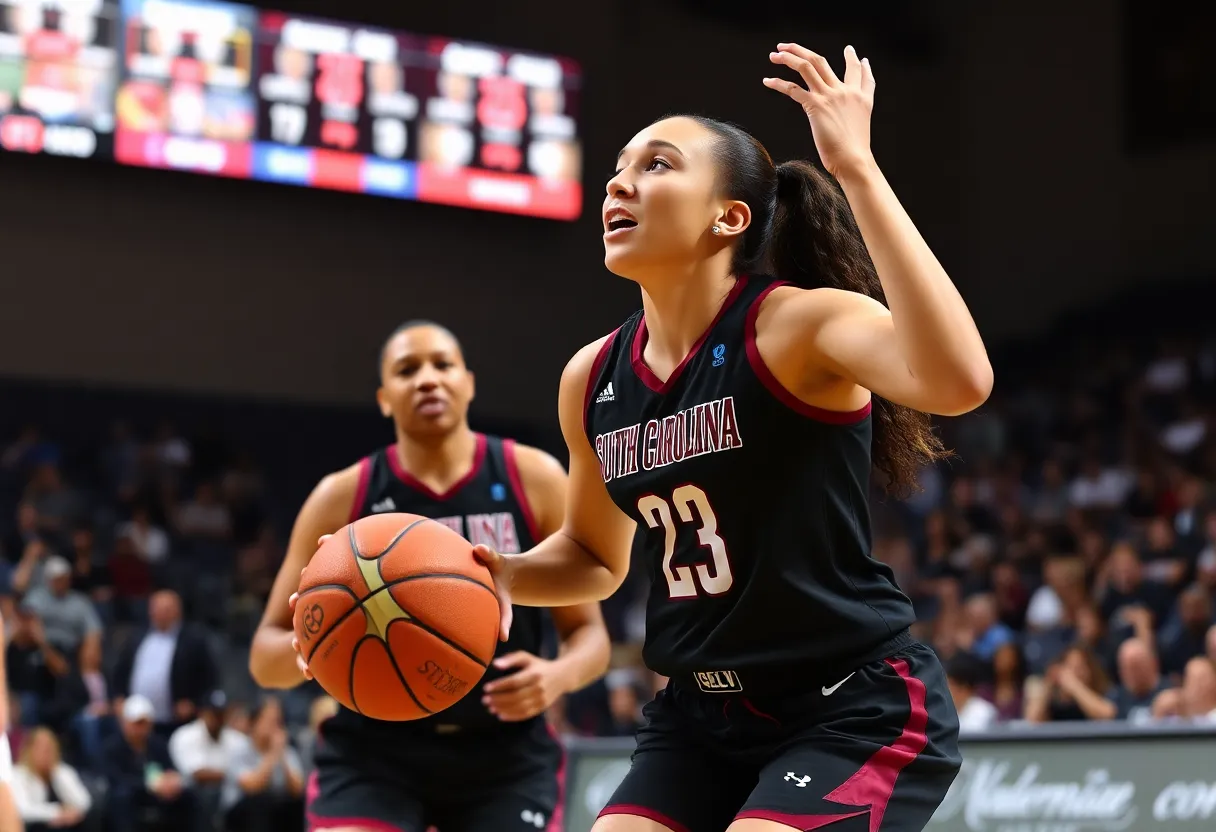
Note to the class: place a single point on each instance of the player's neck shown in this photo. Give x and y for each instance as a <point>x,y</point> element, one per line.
<point>679,308</point>
<point>438,462</point>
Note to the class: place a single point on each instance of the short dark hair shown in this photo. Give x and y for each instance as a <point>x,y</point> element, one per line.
<point>415,323</point>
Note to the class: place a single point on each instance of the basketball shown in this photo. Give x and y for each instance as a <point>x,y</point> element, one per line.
<point>396,618</point>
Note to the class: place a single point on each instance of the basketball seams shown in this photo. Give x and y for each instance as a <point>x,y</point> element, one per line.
<point>392,660</point>
<point>427,628</point>
<point>387,586</point>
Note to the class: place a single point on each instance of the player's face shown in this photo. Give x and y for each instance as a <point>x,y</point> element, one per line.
<point>424,384</point>
<point>666,185</point>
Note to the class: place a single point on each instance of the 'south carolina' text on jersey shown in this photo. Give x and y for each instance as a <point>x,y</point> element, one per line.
<point>704,428</point>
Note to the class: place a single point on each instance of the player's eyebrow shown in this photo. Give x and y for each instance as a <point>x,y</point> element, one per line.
<point>654,144</point>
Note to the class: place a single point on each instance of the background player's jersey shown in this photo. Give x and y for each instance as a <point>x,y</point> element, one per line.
<point>751,508</point>
<point>487,506</point>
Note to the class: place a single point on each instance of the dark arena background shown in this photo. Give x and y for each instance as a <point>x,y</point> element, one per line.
<point>199,261</point>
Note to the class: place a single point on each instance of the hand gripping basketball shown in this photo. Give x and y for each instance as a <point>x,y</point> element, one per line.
<point>502,571</point>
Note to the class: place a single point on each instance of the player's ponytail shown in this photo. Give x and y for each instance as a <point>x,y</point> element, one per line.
<point>814,241</point>
<point>802,231</point>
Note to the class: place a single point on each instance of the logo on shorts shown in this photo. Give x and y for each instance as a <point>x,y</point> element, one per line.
<point>718,681</point>
<point>800,782</point>
<point>537,819</point>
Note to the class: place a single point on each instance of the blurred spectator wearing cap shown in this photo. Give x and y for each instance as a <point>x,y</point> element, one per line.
<point>265,786</point>
<point>68,617</point>
<point>48,791</point>
<point>205,749</point>
<point>170,664</point>
<point>145,790</point>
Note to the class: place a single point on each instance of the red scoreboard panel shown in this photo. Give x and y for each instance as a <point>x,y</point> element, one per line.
<point>357,108</point>
<point>58,68</point>
<point>186,97</point>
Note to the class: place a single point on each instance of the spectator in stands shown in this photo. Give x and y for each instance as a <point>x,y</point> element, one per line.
<point>49,793</point>
<point>1075,688</point>
<point>265,787</point>
<point>150,541</point>
<point>964,673</point>
<point>1184,635</point>
<point>1009,680</point>
<point>145,791</point>
<point>84,695</point>
<point>132,579</point>
<point>322,708</point>
<point>982,632</point>
<point>89,574</point>
<point>1122,585</point>
<point>206,749</point>
<point>1160,555</point>
<point>68,617</point>
<point>59,508</point>
<point>1140,682</point>
<point>1198,693</point>
<point>33,665</point>
<point>170,664</point>
<point>204,517</point>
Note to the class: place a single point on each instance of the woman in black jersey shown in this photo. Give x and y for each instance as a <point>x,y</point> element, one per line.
<point>728,432</point>
<point>489,762</point>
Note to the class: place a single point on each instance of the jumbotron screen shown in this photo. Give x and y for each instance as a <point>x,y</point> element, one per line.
<point>228,90</point>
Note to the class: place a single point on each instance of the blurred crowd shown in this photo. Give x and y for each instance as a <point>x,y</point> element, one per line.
<point>1063,565</point>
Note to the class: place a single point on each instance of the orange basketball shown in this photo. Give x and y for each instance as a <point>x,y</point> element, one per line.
<point>396,618</point>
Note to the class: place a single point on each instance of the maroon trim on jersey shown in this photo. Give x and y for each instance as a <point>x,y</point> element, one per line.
<point>365,480</point>
<point>874,783</point>
<point>557,821</point>
<point>596,366</point>
<point>517,486</point>
<point>315,822</point>
<point>643,812</point>
<point>479,456</point>
<point>832,417</point>
<point>640,336</point>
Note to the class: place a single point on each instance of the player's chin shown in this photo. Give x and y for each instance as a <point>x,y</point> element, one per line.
<point>622,261</point>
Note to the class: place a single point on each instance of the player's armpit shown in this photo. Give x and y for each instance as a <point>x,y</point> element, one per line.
<point>830,348</point>
<point>589,558</point>
<point>272,659</point>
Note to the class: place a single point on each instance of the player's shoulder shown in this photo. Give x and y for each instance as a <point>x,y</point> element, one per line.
<point>341,486</point>
<point>813,307</point>
<point>539,471</point>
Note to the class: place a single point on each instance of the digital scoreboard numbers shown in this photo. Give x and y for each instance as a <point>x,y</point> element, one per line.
<point>334,110</point>
<point>498,131</point>
<point>58,70</point>
<point>186,98</point>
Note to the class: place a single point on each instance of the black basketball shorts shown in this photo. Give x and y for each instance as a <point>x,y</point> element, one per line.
<point>451,783</point>
<point>875,751</point>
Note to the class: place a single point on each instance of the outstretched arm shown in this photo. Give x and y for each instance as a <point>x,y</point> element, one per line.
<point>926,352</point>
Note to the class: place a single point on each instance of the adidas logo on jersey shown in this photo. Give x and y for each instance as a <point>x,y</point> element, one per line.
<point>606,395</point>
<point>384,505</point>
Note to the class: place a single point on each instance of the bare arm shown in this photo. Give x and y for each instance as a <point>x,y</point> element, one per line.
<point>588,558</point>
<point>272,659</point>
<point>585,648</point>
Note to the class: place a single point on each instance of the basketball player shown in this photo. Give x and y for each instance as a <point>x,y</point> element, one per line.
<point>728,431</point>
<point>488,763</point>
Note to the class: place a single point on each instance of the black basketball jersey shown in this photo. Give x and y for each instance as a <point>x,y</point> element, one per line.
<point>751,506</point>
<point>487,506</point>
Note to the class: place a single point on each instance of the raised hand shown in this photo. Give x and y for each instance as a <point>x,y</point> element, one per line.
<point>839,111</point>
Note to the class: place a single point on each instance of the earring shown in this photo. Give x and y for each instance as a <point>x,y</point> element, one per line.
<point>716,230</point>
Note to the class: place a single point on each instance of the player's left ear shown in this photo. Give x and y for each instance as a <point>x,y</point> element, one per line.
<point>472,386</point>
<point>382,400</point>
<point>734,219</point>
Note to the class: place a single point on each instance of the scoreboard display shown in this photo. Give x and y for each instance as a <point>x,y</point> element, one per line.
<point>226,89</point>
<point>57,73</point>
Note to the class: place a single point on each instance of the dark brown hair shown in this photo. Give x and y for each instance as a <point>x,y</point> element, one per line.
<point>803,231</point>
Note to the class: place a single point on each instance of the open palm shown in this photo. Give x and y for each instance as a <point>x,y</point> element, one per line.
<point>839,111</point>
